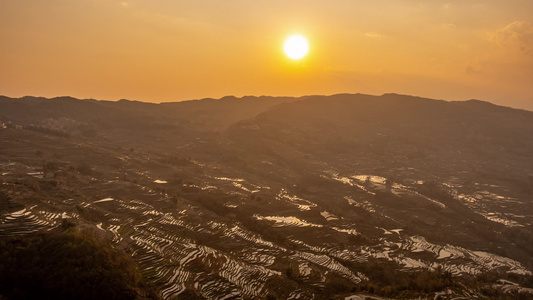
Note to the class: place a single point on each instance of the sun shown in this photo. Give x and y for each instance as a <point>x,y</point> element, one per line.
<point>296,47</point>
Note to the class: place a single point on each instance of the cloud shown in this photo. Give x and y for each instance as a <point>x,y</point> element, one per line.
<point>374,35</point>
<point>124,3</point>
<point>448,26</point>
<point>472,71</point>
<point>517,35</point>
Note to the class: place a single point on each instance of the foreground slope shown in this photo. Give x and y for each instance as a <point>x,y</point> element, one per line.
<point>296,198</point>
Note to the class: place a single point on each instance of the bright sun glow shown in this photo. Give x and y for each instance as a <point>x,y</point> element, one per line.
<point>296,47</point>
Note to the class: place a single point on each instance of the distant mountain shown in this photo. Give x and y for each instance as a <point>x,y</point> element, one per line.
<point>403,129</point>
<point>209,114</point>
<point>315,197</point>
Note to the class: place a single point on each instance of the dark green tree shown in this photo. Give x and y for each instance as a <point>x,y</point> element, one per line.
<point>66,265</point>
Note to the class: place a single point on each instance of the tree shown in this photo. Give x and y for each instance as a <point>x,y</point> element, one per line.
<point>66,265</point>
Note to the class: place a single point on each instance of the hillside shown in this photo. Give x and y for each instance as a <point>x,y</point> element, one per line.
<point>316,197</point>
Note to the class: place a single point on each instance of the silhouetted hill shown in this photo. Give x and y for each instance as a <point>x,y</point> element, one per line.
<point>219,114</point>
<point>206,114</point>
<point>397,127</point>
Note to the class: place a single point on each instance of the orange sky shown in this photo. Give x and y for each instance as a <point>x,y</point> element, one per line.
<point>171,50</point>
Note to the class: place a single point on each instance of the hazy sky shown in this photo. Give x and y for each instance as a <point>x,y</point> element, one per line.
<point>170,50</point>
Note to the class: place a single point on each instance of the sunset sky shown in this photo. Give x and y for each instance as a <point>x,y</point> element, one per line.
<point>171,50</point>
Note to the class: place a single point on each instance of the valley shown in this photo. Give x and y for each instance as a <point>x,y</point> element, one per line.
<point>283,198</point>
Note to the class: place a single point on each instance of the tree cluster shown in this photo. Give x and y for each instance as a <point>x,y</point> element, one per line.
<point>66,265</point>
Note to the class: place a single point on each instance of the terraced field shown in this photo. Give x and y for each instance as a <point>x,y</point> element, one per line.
<point>181,246</point>
<point>204,215</point>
